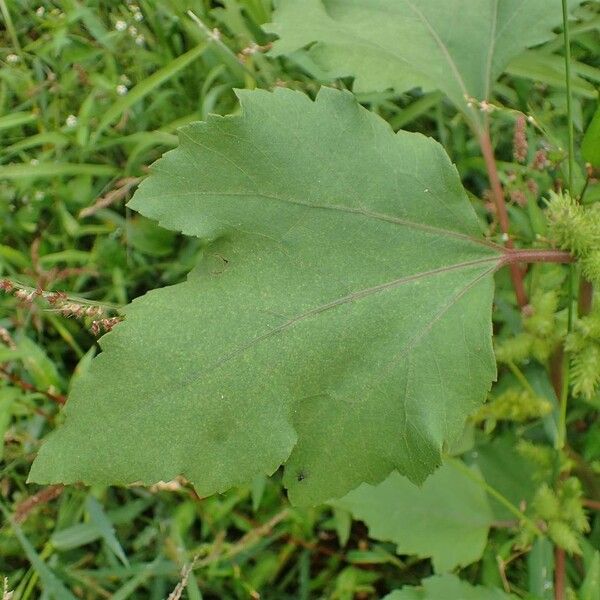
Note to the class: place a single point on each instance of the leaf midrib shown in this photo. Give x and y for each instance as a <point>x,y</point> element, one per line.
<point>344,300</point>
<point>354,296</point>
<point>442,47</point>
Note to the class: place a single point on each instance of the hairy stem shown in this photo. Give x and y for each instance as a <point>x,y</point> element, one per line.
<point>516,273</point>
<point>513,256</point>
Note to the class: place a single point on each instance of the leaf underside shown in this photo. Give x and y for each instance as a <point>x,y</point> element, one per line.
<point>339,321</point>
<point>460,47</point>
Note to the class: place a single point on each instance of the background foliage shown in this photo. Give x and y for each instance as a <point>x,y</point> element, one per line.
<point>90,94</point>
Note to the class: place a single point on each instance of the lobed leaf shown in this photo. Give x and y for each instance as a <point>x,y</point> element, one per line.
<point>339,321</point>
<point>460,47</point>
<point>447,519</point>
<point>444,587</point>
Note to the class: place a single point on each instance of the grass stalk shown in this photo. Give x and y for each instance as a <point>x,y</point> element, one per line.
<point>564,396</point>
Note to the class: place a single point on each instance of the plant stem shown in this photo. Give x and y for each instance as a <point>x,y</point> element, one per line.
<point>567,46</point>
<point>593,504</point>
<point>559,574</point>
<point>498,496</point>
<point>564,396</point>
<point>498,194</point>
<point>520,377</point>
<point>519,255</point>
<point>585,298</point>
<point>28,387</point>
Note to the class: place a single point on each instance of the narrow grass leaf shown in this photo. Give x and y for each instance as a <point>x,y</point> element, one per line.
<point>105,527</point>
<point>48,169</point>
<point>51,583</point>
<point>15,119</point>
<point>146,86</point>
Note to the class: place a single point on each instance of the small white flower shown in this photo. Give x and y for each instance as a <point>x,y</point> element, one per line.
<point>41,11</point>
<point>132,31</point>
<point>34,161</point>
<point>71,121</point>
<point>253,48</point>
<point>138,16</point>
<point>121,89</point>
<point>140,39</point>
<point>486,107</point>
<point>504,237</point>
<point>39,195</point>
<point>120,25</point>
<point>12,59</point>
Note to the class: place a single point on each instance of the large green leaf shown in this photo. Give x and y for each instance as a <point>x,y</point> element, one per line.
<point>453,532</point>
<point>448,587</point>
<point>460,47</point>
<point>339,321</point>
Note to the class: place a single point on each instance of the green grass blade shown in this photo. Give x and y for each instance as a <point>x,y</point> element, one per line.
<point>22,171</point>
<point>15,119</point>
<point>146,86</point>
<point>51,583</point>
<point>106,529</point>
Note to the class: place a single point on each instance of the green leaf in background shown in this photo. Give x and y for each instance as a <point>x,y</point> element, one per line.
<point>517,483</point>
<point>452,531</point>
<point>452,46</point>
<point>590,587</point>
<point>590,146</point>
<point>540,569</point>
<point>339,321</point>
<point>148,238</point>
<point>448,587</point>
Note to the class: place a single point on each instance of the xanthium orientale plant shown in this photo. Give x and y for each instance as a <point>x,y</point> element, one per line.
<point>339,321</point>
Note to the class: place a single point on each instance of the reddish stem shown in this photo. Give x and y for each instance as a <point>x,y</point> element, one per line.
<point>559,574</point>
<point>593,504</point>
<point>513,256</point>
<point>586,297</point>
<point>516,273</point>
<point>28,387</point>
<point>42,497</point>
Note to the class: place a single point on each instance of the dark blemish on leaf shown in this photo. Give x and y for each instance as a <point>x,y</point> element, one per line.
<point>222,264</point>
<point>301,476</point>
